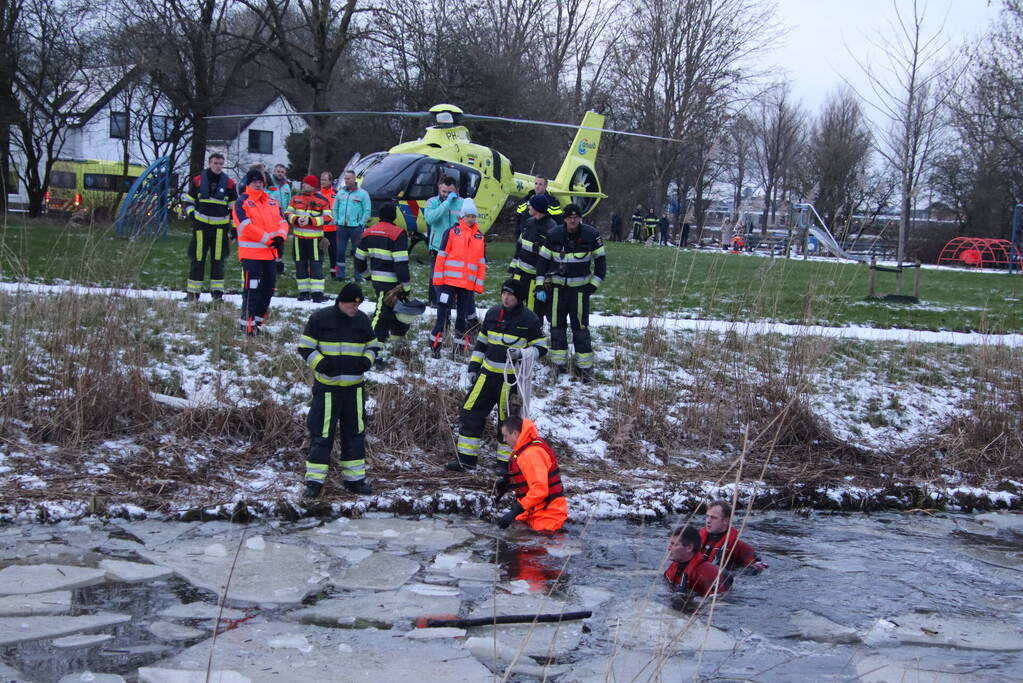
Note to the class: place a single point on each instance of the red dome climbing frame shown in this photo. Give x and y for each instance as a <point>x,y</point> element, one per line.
<point>979,252</point>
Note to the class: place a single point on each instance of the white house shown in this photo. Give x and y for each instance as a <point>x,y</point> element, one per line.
<point>257,135</point>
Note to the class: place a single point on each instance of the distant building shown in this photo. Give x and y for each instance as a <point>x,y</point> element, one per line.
<point>256,137</point>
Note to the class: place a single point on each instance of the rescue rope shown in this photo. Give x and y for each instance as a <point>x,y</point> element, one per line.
<point>522,376</point>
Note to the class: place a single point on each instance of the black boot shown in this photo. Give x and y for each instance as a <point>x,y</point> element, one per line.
<point>303,296</point>
<point>462,463</point>
<point>318,297</point>
<point>217,295</point>
<point>501,468</point>
<point>190,297</point>
<point>360,487</point>
<point>313,489</point>
<point>585,375</point>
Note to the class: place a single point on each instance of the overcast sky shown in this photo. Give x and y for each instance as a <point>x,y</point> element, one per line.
<point>815,52</point>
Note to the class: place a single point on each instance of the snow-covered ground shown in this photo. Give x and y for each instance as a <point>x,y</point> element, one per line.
<point>660,429</point>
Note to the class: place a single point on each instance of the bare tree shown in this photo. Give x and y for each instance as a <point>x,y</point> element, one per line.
<point>189,50</point>
<point>679,58</point>
<point>51,86</point>
<point>10,109</point>
<point>308,38</point>
<point>737,152</point>
<point>837,155</point>
<point>778,128</point>
<point>906,92</point>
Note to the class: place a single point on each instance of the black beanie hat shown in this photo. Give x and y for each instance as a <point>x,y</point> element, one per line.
<point>517,287</point>
<point>540,203</point>
<point>350,293</point>
<point>388,212</point>
<point>254,174</point>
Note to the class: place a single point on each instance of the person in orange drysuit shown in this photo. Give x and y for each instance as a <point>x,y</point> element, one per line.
<point>533,476</point>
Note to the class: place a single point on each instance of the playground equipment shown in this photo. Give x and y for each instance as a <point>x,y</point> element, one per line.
<point>898,296</point>
<point>980,252</point>
<point>821,233</point>
<point>143,210</point>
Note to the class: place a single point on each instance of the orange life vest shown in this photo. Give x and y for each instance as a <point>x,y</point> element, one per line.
<point>518,482</point>
<point>461,261</point>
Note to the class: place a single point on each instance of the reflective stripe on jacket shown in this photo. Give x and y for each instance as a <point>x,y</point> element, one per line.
<point>313,206</point>
<point>572,259</point>
<point>504,329</point>
<point>383,250</point>
<point>461,261</point>
<point>337,347</point>
<point>258,219</point>
<point>209,198</point>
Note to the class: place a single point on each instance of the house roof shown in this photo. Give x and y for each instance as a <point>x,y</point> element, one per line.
<point>251,103</point>
<point>98,86</point>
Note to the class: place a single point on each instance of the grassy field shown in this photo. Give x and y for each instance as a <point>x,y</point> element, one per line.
<point>641,281</point>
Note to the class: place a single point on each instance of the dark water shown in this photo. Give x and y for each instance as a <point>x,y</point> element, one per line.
<point>850,569</point>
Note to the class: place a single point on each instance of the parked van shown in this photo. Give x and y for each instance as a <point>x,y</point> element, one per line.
<point>91,186</point>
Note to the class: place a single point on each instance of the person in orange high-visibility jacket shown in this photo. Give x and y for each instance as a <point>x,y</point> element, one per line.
<point>534,477</point>
<point>458,272</point>
<point>307,214</point>
<point>261,235</point>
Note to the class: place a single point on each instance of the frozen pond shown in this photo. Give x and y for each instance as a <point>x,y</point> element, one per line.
<point>893,597</point>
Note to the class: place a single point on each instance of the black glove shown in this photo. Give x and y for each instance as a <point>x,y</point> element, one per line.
<point>589,289</point>
<point>365,363</point>
<point>278,244</point>
<point>514,354</point>
<point>509,517</point>
<point>473,376</point>
<point>279,266</point>
<point>328,365</point>
<point>500,489</point>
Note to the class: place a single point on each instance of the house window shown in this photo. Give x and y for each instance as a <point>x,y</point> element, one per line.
<point>119,124</point>
<point>163,128</point>
<point>261,141</point>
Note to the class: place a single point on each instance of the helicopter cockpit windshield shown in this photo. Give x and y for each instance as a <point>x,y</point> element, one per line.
<point>387,177</point>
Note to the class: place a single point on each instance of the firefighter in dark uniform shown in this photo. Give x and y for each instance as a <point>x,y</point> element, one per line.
<point>650,222</point>
<point>208,201</point>
<point>339,345</point>
<point>510,331</point>
<point>637,223</point>
<point>382,256</point>
<point>527,250</point>
<point>307,213</point>
<point>571,267</point>
<point>522,210</point>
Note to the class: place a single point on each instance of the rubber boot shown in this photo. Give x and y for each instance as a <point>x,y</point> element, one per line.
<point>313,489</point>
<point>462,463</point>
<point>360,487</point>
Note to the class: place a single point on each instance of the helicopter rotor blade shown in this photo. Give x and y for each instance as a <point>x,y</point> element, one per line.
<point>416,114</point>
<point>481,117</point>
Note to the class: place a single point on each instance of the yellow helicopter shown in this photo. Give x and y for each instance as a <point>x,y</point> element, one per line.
<point>408,173</point>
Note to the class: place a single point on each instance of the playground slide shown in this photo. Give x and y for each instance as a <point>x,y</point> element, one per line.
<point>825,238</point>
<point>828,242</point>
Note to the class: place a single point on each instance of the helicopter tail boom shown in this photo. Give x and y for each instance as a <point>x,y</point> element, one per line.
<point>577,178</point>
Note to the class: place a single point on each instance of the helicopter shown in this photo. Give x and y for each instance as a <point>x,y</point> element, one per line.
<point>407,174</point>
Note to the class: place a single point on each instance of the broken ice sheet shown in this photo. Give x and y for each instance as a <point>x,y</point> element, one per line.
<point>70,642</point>
<point>35,604</point>
<point>276,575</point>
<point>40,578</point>
<point>133,572</point>
<point>21,629</point>
<point>379,571</point>
<point>383,609</point>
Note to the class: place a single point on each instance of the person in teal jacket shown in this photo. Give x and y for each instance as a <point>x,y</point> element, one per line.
<point>352,211</point>
<point>280,187</point>
<point>441,212</point>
